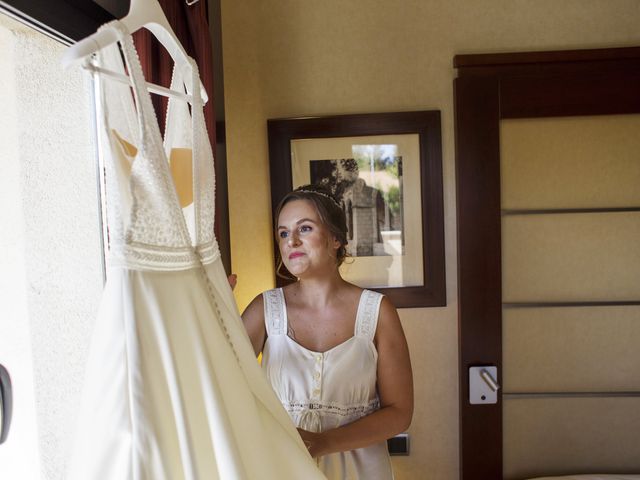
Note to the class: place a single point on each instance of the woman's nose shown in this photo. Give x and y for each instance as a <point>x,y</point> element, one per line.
<point>294,239</point>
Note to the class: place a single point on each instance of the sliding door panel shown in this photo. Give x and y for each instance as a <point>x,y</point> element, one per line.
<point>558,436</point>
<point>571,257</point>
<point>570,162</point>
<point>571,349</point>
<point>570,206</point>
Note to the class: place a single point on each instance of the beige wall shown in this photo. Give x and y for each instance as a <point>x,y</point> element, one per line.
<point>294,57</point>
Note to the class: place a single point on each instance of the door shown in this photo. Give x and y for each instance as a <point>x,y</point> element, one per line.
<point>491,93</point>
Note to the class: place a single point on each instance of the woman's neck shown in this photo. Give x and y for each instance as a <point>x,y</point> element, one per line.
<point>320,290</point>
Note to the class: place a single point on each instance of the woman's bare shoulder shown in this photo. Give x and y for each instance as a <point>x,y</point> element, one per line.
<point>388,320</point>
<point>253,319</point>
<point>255,308</point>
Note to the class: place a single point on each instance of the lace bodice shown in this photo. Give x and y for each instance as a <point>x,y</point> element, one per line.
<point>147,226</point>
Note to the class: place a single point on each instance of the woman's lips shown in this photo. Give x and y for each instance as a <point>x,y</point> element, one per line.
<point>295,255</point>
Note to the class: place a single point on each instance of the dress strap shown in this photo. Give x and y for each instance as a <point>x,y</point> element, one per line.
<point>367,316</point>
<point>275,312</point>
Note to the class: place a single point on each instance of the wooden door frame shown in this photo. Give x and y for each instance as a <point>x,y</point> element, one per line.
<point>489,88</point>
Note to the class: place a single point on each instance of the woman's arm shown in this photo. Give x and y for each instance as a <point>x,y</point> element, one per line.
<point>395,389</point>
<point>253,319</point>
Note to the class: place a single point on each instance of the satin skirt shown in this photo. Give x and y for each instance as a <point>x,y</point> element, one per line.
<point>173,390</point>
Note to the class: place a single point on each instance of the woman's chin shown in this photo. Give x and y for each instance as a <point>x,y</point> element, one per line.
<point>296,270</point>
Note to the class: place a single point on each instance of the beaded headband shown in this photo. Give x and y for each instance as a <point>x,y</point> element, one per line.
<point>333,200</point>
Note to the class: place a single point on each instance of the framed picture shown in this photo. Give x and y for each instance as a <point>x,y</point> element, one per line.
<point>386,172</point>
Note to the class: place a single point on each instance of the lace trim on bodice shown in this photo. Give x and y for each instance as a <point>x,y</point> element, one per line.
<point>309,416</point>
<point>368,312</point>
<point>151,233</point>
<point>352,411</point>
<point>150,257</point>
<point>275,313</point>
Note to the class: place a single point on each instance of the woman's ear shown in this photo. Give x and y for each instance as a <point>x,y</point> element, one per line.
<point>333,244</point>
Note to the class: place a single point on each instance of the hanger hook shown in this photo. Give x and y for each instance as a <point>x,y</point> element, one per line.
<point>191,2</point>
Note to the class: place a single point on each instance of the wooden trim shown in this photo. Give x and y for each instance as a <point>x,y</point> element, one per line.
<point>560,211</point>
<point>613,303</point>
<point>529,58</point>
<point>479,262</point>
<point>526,395</point>
<point>597,90</point>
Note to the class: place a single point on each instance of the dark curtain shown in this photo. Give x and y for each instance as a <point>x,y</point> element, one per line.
<point>191,26</point>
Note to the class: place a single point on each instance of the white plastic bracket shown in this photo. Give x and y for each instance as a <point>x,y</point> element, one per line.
<point>483,385</point>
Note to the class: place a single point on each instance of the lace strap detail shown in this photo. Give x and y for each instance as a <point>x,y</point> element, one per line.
<point>367,316</point>
<point>275,312</point>
<point>205,182</point>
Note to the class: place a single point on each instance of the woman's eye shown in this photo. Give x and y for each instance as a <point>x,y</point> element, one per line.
<point>305,228</point>
<point>283,234</point>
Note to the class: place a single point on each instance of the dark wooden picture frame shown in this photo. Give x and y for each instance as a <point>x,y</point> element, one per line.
<point>426,125</point>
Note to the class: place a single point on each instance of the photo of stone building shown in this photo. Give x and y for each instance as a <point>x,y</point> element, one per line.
<point>369,188</point>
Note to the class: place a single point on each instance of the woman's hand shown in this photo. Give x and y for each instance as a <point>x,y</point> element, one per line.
<point>314,442</point>
<point>232,279</point>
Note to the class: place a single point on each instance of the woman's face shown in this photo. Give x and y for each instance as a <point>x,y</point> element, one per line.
<point>305,243</point>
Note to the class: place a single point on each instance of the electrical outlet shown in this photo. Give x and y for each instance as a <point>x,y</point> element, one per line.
<point>399,445</point>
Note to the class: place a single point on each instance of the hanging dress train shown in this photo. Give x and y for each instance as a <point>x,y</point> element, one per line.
<point>172,390</point>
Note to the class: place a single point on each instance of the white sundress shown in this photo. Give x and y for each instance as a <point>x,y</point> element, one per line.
<point>325,390</point>
<point>172,390</point>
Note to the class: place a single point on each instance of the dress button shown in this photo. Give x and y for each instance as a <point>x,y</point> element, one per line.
<point>317,375</point>
<point>318,358</point>
<point>316,392</point>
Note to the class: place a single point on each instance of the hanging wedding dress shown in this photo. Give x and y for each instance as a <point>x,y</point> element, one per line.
<point>173,390</point>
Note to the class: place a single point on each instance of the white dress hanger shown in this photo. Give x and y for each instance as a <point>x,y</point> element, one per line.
<point>142,13</point>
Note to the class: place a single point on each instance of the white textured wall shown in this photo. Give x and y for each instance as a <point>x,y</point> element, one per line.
<point>20,453</point>
<point>50,276</point>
